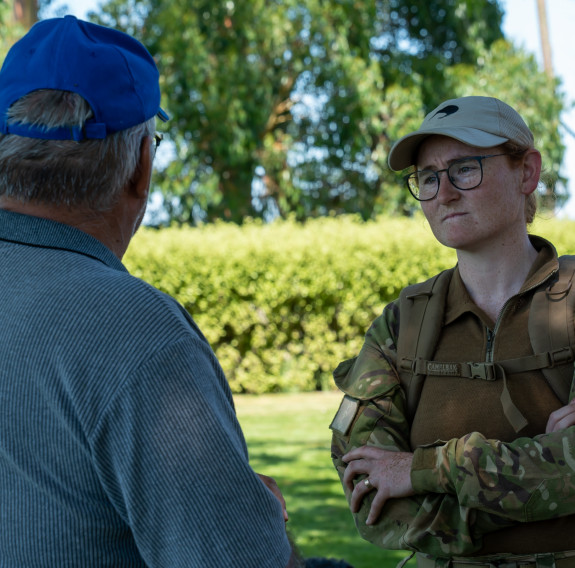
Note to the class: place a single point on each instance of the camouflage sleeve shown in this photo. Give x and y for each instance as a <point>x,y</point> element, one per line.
<point>373,412</point>
<point>529,479</point>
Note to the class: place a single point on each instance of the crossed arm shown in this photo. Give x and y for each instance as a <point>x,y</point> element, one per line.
<point>389,472</point>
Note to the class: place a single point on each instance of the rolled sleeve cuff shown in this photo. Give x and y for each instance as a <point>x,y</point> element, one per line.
<point>429,471</point>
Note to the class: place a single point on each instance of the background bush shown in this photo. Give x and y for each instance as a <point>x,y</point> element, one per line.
<point>283,303</point>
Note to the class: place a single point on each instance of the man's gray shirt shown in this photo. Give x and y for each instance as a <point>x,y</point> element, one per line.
<point>119,444</point>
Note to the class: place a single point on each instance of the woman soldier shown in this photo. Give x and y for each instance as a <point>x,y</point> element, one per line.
<point>467,472</point>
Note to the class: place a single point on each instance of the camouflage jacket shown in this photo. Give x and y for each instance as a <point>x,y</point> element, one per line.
<point>467,487</point>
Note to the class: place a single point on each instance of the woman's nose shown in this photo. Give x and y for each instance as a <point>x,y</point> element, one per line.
<point>447,191</point>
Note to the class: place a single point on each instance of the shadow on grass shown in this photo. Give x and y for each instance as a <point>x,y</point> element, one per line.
<point>289,439</point>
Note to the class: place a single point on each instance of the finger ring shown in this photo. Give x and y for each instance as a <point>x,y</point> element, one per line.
<point>367,483</point>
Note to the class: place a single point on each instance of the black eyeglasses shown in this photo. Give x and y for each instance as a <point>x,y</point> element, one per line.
<point>464,174</point>
<point>158,140</point>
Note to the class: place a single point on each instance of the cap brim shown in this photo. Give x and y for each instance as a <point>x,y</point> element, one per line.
<point>403,152</point>
<point>163,115</point>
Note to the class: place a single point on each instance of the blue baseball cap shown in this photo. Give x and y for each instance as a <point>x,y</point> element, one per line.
<point>111,70</point>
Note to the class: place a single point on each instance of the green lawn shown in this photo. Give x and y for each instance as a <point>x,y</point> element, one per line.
<point>289,439</point>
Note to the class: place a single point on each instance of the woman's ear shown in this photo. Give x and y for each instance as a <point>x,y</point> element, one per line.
<point>531,171</point>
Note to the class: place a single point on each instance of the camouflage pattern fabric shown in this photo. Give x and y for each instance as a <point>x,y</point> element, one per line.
<point>467,487</point>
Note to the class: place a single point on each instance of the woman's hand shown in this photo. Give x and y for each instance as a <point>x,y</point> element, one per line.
<point>561,418</point>
<point>388,473</point>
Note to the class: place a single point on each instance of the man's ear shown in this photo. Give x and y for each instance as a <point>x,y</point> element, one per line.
<point>531,171</point>
<point>140,182</point>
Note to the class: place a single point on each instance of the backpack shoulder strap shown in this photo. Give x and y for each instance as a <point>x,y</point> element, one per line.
<point>552,329</point>
<point>421,309</point>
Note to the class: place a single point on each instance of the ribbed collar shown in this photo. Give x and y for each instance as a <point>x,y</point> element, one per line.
<point>39,232</point>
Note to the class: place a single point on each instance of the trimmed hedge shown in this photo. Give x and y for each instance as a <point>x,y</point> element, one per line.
<point>282,303</point>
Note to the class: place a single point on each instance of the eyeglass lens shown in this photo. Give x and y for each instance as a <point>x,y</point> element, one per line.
<point>463,174</point>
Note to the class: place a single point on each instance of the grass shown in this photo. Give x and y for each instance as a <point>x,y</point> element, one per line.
<point>289,439</point>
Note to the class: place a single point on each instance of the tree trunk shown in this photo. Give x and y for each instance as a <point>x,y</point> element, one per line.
<point>26,12</point>
<point>544,33</point>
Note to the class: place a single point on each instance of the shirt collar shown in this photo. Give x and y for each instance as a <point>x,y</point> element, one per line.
<point>459,301</point>
<point>40,232</point>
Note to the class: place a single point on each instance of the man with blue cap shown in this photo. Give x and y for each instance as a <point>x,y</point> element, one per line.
<point>119,444</point>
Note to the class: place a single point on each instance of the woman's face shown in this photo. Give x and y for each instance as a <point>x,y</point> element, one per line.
<point>492,214</point>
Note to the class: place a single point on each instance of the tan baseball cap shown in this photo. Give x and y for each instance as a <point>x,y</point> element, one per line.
<point>478,121</point>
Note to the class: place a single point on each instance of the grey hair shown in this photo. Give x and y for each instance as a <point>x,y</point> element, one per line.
<point>90,173</point>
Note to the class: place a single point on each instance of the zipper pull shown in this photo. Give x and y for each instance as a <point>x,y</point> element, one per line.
<point>489,346</point>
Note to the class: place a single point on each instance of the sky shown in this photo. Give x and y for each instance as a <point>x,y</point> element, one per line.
<point>521,26</point>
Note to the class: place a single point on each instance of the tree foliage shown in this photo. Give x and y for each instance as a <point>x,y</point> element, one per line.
<point>283,303</point>
<point>503,71</point>
<point>283,107</point>
<point>9,29</point>
<point>16,17</point>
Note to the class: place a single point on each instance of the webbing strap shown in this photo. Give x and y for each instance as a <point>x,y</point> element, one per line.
<point>512,413</point>
<point>537,560</point>
<point>491,372</point>
<point>487,371</point>
<point>551,325</point>
<point>418,334</point>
